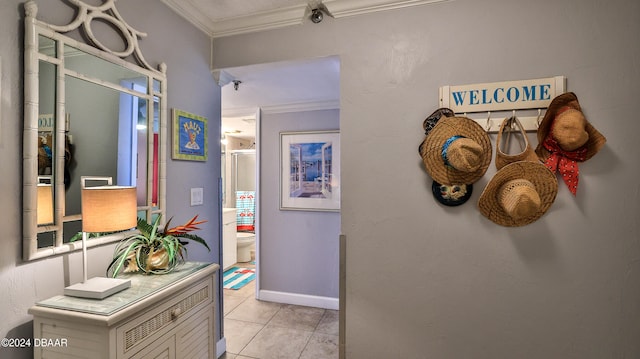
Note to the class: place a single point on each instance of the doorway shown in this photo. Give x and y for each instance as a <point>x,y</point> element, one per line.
<point>270,92</point>
<point>239,189</point>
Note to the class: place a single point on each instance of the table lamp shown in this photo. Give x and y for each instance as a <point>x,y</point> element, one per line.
<point>104,209</point>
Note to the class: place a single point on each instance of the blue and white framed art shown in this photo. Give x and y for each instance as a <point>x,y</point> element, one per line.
<point>310,171</point>
<point>189,136</point>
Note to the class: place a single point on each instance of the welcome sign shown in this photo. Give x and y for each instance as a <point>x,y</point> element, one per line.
<point>46,122</point>
<point>502,96</point>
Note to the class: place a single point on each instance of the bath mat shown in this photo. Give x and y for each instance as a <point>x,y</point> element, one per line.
<point>237,277</point>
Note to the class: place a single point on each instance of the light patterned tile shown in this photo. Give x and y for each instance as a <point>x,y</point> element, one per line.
<point>234,293</point>
<point>231,302</point>
<point>277,342</point>
<point>238,334</point>
<point>255,311</point>
<point>297,317</point>
<point>321,346</point>
<point>329,324</point>
<point>248,290</point>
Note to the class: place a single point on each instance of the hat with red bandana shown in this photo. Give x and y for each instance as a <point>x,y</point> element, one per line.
<point>565,138</point>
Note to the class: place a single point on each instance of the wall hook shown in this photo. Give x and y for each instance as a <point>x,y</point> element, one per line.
<point>236,84</point>
<point>539,120</point>
<point>512,123</point>
<point>488,124</point>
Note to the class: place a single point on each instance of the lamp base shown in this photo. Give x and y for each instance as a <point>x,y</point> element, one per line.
<point>97,288</point>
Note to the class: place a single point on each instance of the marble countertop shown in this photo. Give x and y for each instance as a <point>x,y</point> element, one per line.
<point>142,286</point>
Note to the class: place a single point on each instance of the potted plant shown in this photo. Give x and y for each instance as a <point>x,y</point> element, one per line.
<point>154,250</point>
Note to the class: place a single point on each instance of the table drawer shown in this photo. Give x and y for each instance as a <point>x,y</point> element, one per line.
<point>143,329</point>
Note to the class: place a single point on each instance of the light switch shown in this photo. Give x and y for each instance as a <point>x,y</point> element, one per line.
<point>197,196</point>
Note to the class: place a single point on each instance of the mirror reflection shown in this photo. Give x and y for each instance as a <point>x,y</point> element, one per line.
<point>105,133</point>
<point>45,146</point>
<point>97,115</point>
<point>105,136</point>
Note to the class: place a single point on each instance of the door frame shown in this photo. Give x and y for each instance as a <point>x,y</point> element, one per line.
<point>256,113</point>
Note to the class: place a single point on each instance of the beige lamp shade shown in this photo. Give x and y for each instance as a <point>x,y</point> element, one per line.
<point>108,208</point>
<point>45,203</point>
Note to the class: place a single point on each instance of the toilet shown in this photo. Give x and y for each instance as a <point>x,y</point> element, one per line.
<point>245,240</point>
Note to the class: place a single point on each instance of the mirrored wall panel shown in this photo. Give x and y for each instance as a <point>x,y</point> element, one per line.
<point>88,112</point>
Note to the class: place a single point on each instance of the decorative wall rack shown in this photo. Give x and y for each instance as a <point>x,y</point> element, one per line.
<point>490,103</point>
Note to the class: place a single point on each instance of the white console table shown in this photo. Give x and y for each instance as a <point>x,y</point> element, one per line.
<point>160,316</point>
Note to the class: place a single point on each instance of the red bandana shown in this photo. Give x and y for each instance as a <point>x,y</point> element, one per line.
<point>566,162</point>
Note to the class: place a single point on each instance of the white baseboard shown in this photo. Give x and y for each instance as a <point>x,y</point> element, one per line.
<point>299,299</point>
<point>221,347</point>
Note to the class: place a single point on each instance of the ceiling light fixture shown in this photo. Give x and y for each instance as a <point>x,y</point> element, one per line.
<point>316,16</point>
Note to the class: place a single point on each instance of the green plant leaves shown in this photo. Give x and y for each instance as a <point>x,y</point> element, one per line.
<point>151,241</point>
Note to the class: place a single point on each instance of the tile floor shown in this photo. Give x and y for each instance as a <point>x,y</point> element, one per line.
<point>262,330</point>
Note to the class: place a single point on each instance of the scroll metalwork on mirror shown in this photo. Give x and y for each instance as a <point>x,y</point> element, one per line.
<point>90,109</point>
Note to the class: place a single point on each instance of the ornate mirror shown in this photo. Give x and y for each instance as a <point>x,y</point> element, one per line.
<point>88,111</point>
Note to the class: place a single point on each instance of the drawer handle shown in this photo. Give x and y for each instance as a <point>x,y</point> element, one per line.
<point>175,313</point>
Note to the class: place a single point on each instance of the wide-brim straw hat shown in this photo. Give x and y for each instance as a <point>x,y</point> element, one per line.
<point>430,122</point>
<point>518,194</point>
<point>569,99</point>
<point>472,146</point>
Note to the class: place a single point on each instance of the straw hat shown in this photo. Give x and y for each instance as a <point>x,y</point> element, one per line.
<point>448,195</point>
<point>526,152</point>
<point>518,194</point>
<point>457,150</point>
<point>566,123</point>
<point>565,138</point>
<point>431,121</point>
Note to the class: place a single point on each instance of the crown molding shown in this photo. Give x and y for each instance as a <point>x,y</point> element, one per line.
<point>266,20</point>
<point>282,17</point>
<point>186,9</point>
<point>262,21</point>
<point>286,108</point>
<point>240,112</point>
<point>302,107</point>
<point>344,8</point>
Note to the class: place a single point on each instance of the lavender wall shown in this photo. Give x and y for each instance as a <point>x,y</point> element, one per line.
<point>298,249</point>
<point>190,88</point>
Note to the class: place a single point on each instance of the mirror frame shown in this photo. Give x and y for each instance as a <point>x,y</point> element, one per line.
<point>85,13</point>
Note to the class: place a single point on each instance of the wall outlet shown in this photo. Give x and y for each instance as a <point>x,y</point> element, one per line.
<point>197,196</point>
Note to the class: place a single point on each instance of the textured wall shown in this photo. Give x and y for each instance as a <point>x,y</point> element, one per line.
<point>425,281</point>
<point>298,249</point>
<point>191,88</point>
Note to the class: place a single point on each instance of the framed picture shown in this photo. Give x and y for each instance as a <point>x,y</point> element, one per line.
<point>189,136</point>
<point>310,171</point>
